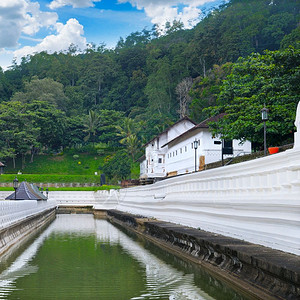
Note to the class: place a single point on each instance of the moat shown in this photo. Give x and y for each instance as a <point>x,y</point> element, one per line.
<point>79,257</point>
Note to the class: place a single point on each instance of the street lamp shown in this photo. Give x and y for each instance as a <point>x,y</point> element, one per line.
<point>196,147</point>
<point>15,185</point>
<point>264,117</point>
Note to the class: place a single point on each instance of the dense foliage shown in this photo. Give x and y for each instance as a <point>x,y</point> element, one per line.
<point>270,80</point>
<point>120,98</point>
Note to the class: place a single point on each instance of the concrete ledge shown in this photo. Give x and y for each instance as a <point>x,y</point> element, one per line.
<point>263,272</point>
<point>65,209</point>
<point>15,234</point>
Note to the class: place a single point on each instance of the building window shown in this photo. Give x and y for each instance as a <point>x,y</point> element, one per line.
<point>176,152</point>
<point>159,160</point>
<point>185,148</point>
<point>192,145</point>
<point>180,150</point>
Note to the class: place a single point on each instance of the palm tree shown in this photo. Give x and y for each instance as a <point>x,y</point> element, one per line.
<point>91,125</point>
<point>128,131</point>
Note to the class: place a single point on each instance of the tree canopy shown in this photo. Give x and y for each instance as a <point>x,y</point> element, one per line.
<point>151,79</point>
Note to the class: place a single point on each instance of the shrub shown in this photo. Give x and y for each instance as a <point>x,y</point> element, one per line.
<point>117,166</point>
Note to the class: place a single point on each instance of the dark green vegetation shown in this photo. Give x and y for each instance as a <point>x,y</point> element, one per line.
<point>116,100</point>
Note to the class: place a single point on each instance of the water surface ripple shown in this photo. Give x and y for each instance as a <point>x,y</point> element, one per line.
<point>79,257</point>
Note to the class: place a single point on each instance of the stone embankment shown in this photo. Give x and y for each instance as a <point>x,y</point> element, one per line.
<point>262,272</point>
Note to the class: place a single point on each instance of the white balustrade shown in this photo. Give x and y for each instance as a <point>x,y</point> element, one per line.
<point>257,201</point>
<point>12,212</point>
<point>98,199</point>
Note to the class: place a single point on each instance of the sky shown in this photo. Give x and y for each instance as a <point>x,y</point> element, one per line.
<point>30,26</point>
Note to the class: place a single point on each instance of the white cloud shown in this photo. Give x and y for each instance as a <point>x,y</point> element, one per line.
<point>6,57</point>
<point>74,3</point>
<point>21,16</point>
<point>37,19</point>
<point>70,33</point>
<point>161,11</point>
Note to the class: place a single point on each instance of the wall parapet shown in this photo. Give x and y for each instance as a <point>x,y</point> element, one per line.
<point>12,212</point>
<point>257,201</point>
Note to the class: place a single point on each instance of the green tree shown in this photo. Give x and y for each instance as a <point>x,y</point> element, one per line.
<point>91,124</point>
<point>205,91</point>
<point>43,90</point>
<point>128,132</point>
<point>269,80</point>
<point>117,167</point>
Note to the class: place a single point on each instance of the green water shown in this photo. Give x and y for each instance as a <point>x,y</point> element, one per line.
<point>78,257</point>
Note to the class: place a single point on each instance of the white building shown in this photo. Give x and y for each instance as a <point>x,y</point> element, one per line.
<point>153,164</point>
<point>183,158</point>
<point>173,153</point>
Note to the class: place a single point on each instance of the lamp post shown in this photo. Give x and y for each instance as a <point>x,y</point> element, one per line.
<point>47,192</point>
<point>264,117</point>
<point>195,147</point>
<point>15,185</point>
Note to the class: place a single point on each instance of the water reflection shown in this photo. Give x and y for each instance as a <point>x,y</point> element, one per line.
<point>114,266</point>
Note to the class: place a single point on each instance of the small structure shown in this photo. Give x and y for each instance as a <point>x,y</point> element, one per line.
<point>27,191</point>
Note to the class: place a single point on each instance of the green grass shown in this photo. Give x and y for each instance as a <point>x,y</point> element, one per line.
<point>90,188</point>
<point>65,164</point>
<point>83,188</point>
<point>51,178</point>
<point>62,168</point>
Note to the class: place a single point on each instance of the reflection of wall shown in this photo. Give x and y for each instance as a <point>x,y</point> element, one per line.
<point>160,277</point>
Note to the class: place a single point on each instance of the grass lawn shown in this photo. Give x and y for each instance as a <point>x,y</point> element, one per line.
<point>61,168</point>
<point>65,164</point>
<point>91,188</point>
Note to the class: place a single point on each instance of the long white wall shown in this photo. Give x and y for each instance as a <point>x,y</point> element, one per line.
<point>12,212</point>
<point>257,201</point>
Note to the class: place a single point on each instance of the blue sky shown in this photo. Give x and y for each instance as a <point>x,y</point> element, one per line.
<point>30,26</point>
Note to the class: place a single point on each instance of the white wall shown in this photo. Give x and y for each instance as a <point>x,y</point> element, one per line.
<point>152,167</point>
<point>257,201</point>
<point>12,212</point>
<point>180,157</point>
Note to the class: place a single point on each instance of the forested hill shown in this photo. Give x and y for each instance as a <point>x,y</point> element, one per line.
<point>124,96</point>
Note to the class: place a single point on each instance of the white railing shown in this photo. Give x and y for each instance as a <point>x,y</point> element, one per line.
<point>257,201</point>
<point>12,212</point>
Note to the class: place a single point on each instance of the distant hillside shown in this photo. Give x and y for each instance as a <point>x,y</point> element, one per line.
<point>122,97</point>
